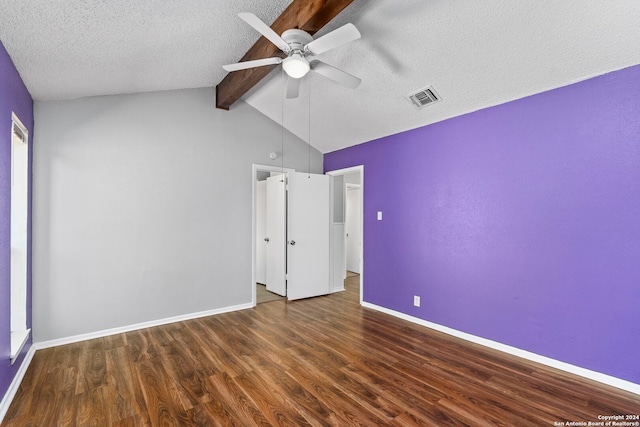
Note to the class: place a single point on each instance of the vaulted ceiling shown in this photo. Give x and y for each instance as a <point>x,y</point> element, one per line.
<point>475,54</point>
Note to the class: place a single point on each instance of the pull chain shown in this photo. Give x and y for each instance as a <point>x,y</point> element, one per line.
<point>309,136</point>
<point>284,86</point>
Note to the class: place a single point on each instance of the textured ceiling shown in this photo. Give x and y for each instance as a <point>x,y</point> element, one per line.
<point>474,53</point>
<point>76,48</point>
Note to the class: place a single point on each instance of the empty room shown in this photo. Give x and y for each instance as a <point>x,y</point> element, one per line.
<point>319,212</point>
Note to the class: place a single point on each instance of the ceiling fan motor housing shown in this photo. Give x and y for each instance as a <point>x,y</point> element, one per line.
<point>296,65</point>
<point>297,39</point>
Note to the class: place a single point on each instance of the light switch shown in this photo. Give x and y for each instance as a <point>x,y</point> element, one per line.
<point>379,215</point>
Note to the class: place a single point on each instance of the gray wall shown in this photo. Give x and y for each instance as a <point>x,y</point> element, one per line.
<point>352,178</point>
<point>142,207</point>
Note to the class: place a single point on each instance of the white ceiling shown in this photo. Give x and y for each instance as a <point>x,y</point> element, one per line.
<point>474,53</point>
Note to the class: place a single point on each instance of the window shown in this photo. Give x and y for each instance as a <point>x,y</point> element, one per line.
<point>19,234</point>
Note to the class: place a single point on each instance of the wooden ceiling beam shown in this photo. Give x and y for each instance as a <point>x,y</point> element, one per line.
<point>308,15</point>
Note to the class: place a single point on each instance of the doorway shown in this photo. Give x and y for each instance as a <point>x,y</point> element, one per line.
<point>297,240</point>
<point>348,196</point>
<point>19,234</point>
<point>299,208</point>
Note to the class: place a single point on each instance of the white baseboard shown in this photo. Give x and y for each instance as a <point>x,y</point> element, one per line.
<point>134,327</point>
<point>567,367</point>
<point>15,384</point>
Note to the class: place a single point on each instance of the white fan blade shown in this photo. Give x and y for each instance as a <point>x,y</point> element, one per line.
<point>345,34</point>
<point>338,76</point>
<point>252,64</point>
<point>265,30</point>
<point>293,87</point>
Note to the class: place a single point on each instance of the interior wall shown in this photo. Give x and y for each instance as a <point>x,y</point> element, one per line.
<point>15,97</point>
<point>519,223</point>
<point>143,207</point>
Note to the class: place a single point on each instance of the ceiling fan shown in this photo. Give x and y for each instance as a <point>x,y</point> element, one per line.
<point>298,45</point>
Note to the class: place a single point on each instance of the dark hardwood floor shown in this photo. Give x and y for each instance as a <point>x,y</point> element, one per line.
<point>322,362</point>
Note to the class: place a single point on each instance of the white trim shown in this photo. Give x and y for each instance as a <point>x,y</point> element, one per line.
<point>15,384</point>
<point>563,366</point>
<point>345,171</point>
<point>255,168</point>
<point>16,120</point>
<point>134,327</point>
<point>18,340</point>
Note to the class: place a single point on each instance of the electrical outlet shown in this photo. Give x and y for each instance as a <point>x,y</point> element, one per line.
<point>416,300</point>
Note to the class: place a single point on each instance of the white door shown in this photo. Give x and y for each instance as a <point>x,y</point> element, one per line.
<point>261,232</point>
<point>352,220</point>
<point>276,235</point>
<point>308,253</point>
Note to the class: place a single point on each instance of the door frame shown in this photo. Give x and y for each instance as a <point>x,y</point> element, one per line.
<point>346,171</point>
<point>255,168</point>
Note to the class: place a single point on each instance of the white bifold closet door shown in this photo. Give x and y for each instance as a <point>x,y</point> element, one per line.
<point>276,235</point>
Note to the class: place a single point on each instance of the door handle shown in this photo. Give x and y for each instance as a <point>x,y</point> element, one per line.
<point>266,239</point>
<point>292,242</point>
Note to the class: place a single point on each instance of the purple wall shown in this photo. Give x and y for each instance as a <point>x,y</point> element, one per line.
<point>15,97</point>
<point>519,223</point>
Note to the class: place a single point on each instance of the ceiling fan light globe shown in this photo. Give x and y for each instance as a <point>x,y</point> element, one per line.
<point>296,66</point>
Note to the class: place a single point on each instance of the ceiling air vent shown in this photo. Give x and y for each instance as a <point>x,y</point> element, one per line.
<point>424,97</point>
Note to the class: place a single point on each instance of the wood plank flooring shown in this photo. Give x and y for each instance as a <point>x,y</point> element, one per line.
<point>263,295</point>
<point>321,362</point>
